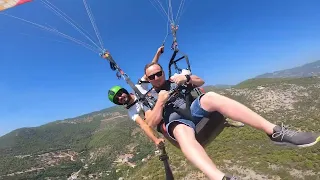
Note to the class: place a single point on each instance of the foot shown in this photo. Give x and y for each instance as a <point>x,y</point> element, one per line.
<point>284,136</point>
<point>228,177</point>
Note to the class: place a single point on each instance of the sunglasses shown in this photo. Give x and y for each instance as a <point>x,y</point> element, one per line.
<point>119,93</point>
<point>158,74</point>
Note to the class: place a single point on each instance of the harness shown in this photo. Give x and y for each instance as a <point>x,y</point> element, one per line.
<point>185,92</point>
<point>173,61</point>
<point>182,90</point>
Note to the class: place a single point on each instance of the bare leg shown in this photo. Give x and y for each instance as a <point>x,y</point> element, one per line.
<point>214,102</point>
<point>194,152</point>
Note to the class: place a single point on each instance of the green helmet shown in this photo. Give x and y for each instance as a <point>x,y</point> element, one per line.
<point>113,92</point>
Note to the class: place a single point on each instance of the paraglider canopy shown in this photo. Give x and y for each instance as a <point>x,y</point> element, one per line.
<point>6,4</point>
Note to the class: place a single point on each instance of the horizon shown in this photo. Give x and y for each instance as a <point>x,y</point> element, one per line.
<point>47,78</point>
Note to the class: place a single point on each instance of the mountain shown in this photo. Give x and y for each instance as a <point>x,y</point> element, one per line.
<point>106,144</point>
<point>222,86</point>
<point>306,70</point>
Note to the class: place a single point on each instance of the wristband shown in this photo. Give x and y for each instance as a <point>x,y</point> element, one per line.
<point>188,77</point>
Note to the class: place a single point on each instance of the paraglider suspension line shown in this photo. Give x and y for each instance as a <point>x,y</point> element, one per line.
<point>174,29</point>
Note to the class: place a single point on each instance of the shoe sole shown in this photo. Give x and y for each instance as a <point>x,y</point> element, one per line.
<point>302,146</point>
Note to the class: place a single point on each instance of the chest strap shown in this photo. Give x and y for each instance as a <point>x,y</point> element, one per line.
<point>130,105</point>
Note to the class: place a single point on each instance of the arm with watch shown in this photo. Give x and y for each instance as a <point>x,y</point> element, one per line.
<point>191,79</point>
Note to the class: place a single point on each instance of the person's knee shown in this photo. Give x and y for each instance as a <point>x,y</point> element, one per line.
<point>183,133</point>
<point>210,101</point>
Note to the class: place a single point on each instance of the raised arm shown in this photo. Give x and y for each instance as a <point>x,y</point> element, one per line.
<point>158,54</point>
<point>155,59</point>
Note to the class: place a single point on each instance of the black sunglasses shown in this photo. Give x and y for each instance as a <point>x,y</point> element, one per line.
<point>158,74</point>
<point>119,93</point>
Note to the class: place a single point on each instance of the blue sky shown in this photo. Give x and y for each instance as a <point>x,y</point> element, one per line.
<point>44,77</point>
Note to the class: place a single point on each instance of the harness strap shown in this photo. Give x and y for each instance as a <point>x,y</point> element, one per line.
<point>186,113</point>
<point>140,81</point>
<point>172,61</point>
<point>153,99</point>
<point>160,125</point>
<point>130,105</point>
